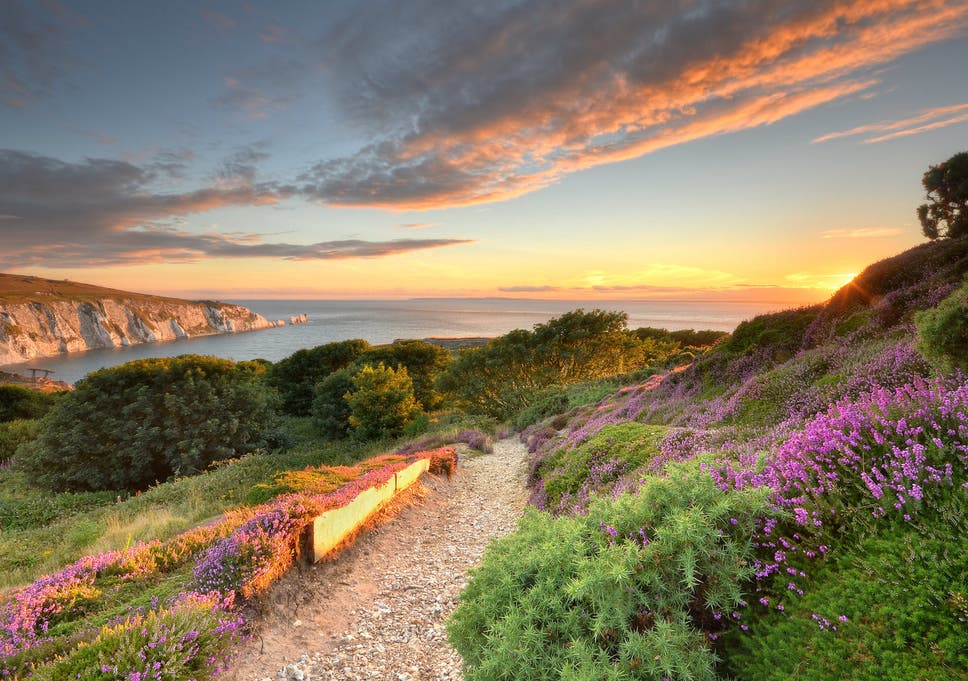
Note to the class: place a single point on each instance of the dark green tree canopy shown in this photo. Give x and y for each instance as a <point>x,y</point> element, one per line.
<point>946,185</point>
<point>129,426</point>
<point>422,361</point>
<point>297,375</point>
<point>18,402</point>
<point>505,375</point>
<point>331,411</point>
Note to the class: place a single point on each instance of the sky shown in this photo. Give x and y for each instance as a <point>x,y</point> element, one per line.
<point>764,150</point>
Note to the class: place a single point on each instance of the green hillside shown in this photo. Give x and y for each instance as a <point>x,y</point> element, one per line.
<point>790,505</point>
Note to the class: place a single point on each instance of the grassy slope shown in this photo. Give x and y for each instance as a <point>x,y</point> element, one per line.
<point>900,583</point>
<point>16,288</point>
<point>41,533</point>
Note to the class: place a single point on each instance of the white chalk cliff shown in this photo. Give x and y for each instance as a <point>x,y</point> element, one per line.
<point>43,325</point>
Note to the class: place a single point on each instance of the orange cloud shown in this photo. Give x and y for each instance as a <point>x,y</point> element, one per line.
<point>913,125</point>
<point>653,79</point>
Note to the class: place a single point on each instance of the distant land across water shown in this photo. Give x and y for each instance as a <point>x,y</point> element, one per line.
<point>383,321</point>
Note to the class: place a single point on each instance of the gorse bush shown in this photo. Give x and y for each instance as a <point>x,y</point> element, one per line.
<point>943,331</point>
<point>127,427</point>
<point>381,402</point>
<point>631,590</point>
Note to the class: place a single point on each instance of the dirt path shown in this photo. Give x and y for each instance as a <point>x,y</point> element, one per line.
<point>378,610</point>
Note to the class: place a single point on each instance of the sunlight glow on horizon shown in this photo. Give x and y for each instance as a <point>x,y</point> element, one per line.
<point>674,153</point>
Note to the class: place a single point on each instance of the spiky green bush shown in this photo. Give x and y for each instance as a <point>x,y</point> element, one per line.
<point>628,591</point>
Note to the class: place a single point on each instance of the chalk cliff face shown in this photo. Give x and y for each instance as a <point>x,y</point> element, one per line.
<point>40,328</point>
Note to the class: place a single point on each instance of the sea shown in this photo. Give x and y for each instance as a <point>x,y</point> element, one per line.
<point>383,321</point>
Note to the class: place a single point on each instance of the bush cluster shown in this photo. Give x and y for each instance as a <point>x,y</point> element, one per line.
<point>18,402</point>
<point>631,590</point>
<point>128,427</point>
<point>511,371</point>
<point>16,433</point>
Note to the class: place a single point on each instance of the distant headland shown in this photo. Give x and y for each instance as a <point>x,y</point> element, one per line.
<point>43,317</point>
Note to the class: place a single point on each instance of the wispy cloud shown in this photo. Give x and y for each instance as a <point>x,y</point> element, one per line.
<point>169,246</point>
<point>33,56</point>
<point>217,20</point>
<point>820,280</point>
<point>103,212</point>
<point>417,225</point>
<point>927,119</point>
<point>529,289</point>
<point>275,34</point>
<point>471,107</point>
<point>861,233</point>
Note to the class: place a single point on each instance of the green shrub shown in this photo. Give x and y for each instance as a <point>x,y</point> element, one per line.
<point>18,402</point>
<point>145,421</point>
<point>331,411</point>
<point>780,333</point>
<point>381,402</point>
<point>612,452</point>
<point>628,591</point>
<point>296,376</point>
<point>943,332</point>
<point>548,402</point>
<point>15,433</point>
<point>423,362</point>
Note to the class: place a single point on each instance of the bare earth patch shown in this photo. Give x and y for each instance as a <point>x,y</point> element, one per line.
<point>378,609</point>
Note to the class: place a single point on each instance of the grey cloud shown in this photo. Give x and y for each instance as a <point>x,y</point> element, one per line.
<point>240,167</point>
<point>528,289</point>
<point>58,200</point>
<point>137,247</point>
<point>248,102</point>
<point>32,56</point>
<point>217,20</point>
<point>102,212</point>
<point>259,91</point>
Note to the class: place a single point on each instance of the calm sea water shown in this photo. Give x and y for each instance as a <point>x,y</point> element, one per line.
<point>385,321</point>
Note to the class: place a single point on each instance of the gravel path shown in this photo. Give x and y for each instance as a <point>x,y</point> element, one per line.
<point>378,611</point>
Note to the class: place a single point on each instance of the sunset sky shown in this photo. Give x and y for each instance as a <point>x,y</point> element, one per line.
<point>578,149</point>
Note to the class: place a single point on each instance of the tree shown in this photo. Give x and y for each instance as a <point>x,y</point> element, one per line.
<point>129,426</point>
<point>297,375</point>
<point>381,402</point>
<point>508,373</point>
<point>331,412</point>
<point>18,402</point>
<point>423,362</point>
<point>946,185</point>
